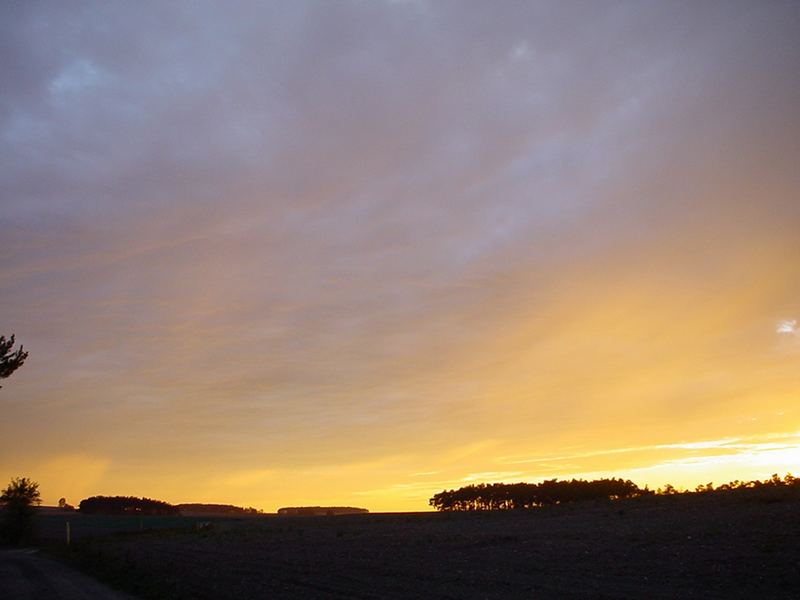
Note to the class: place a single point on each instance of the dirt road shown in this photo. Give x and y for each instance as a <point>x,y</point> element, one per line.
<point>26,575</point>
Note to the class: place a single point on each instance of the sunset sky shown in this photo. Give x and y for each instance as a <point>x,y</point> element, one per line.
<point>357,252</point>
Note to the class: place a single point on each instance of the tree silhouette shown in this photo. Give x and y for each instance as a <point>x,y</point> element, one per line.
<point>18,501</point>
<point>10,360</point>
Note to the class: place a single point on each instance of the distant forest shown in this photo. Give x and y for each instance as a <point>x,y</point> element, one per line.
<point>195,509</point>
<point>320,510</point>
<point>131,505</point>
<point>510,496</point>
<point>126,505</point>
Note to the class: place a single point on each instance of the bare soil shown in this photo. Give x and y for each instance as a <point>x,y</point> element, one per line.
<point>709,546</point>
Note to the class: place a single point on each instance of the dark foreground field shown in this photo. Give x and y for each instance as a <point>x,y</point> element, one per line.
<point>710,546</point>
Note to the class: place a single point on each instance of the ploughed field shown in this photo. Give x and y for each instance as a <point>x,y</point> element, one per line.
<point>702,546</point>
<point>51,523</point>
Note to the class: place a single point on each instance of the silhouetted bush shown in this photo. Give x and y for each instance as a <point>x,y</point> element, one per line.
<point>18,502</point>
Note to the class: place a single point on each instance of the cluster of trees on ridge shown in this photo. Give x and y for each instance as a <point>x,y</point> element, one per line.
<point>788,481</point>
<point>126,505</point>
<point>131,505</point>
<point>320,510</point>
<point>509,496</point>
<point>198,509</point>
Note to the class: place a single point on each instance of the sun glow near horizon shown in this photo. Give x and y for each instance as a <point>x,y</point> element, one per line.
<point>385,486</point>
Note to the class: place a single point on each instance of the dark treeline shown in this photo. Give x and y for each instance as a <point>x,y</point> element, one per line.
<point>320,510</point>
<point>789,481</point>
<point>126,505</point>
<point>198,509</point>
<point>509,496</point>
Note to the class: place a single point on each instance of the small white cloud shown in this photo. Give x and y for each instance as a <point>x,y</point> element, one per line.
<point>76,77</point>
<point>424,473</point>
<point>787,327</point>
<point>521,51</point>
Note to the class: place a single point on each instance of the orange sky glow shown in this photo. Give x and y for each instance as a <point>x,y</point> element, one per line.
<point>357,253</point>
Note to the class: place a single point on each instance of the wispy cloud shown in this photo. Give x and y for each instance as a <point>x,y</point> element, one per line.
<point>388,238</point>
<point>751,454</point>
<point>763,441</point>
